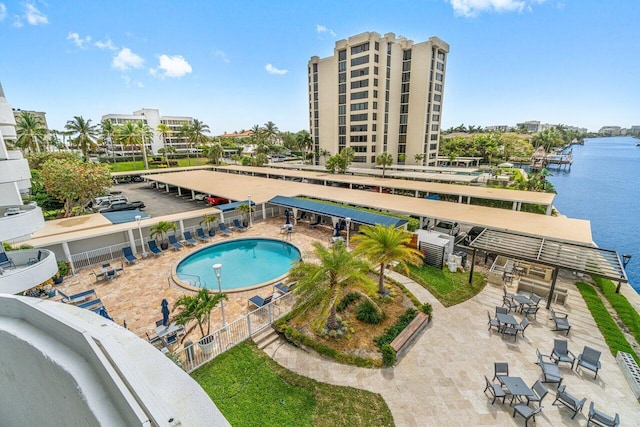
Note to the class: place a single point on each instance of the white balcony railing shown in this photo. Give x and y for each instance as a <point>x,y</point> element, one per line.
<point>14,170</point>
<point>27,271</point>
<point>19,220</point>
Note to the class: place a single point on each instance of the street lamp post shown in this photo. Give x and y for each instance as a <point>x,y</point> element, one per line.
<point>348,221</point>
<point>250,211</point>
<point>144,249</point>
<point>217,269</point>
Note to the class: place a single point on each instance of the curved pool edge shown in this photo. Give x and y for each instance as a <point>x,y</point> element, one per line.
<point>176,280</point>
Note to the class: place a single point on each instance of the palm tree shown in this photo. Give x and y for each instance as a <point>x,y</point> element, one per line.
<point>271,132</point>
<point>198,307</point>
<point>304,141</point>
<point>145,132</point>
<point>214,152</point>
<point>320,285</point>
<point>85,134</point>
<point>197,133</point>
<point>31,132</point>
<point>164,130</point>
<point>384,245</point>
<point>384,159</point>
<point>127,134</point>
<point>108,130</point>
<point>161,230</point>
<point>185,133</point>
<point>419,158</point>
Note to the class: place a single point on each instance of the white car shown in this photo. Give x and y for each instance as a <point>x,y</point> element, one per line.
<point>448,227</point>
<point>201,197</point>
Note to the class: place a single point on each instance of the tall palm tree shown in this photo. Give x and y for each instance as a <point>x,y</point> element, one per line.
<point>185,133</point>
<point>83,133</point>
<point>107,131</point>
<point>271,132</point>
<point>31,132</point>
<point>145,132</point>
<point>197,133</point>
<point>198,307</point>
<point>384,245</point>
<point>164,131</point>
<point>127,134</point>
<point>321,284</point>
<point>384,159</point>
<point>303,138</point>
<point>214,152</point>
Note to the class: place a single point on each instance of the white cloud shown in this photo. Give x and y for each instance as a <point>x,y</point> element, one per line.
<point>470,8</point>
<point>108,44</point>
<point>222,56</point>
<point>139,84</point>
<point>3,11</point>
<point>79,41</point>
<point>322,29</point>
<point>273,70</point>
<point>171,66</point>
<point>125,59</point>
<point>33,15</point>
<point>17,22</point>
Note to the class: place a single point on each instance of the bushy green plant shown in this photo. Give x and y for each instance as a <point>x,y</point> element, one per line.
<point>621,305</point>
<point>63,268</point>
<point>388,355</point>
<point>366,312</point>
<point>348,299</point>
<point>426,308</point>
<point>391,333</point>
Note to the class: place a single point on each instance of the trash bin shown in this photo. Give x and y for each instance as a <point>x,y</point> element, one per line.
<point>463,255</point>
<point>453,266</point>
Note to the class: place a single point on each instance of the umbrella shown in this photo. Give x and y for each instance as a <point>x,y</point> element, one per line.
<point>287,215</point>
<point>505,165</point>
<point>103,312</point>
<point>337,230</point>
<point>165,312</point>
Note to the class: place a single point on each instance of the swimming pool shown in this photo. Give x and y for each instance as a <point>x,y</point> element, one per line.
<point>245,263</point>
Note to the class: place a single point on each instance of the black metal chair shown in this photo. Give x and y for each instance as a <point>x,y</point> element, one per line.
<point>539,393</point>
<point>526,412</point>
<point>590,359</point>
<point>493,322</point>
<point>509,303</point>
<point>570,401</point>
<point>602,419</point>
<point>561,352</point>
<point>500,369</point>
<point>495,390</point>
<point>562,323</point>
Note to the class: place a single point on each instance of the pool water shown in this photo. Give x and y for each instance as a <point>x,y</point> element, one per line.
<point>245,263</point>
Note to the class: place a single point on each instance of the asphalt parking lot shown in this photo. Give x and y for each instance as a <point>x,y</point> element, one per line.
<point>158,202</point>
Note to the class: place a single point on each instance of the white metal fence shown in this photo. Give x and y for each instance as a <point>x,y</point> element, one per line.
<point>194,355</point>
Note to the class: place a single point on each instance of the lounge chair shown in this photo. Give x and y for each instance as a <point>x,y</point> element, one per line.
<point>562,323</point>
<point>174,243</point>
<point>32,261</point>
<point>539,393</point>
<point>5,261</point>
<point>524,410</point>
<point>153,247</point>
<point>155,340</point>
<point>550,372</point>
<point>602,419</point>
<point>258,301</point>
<point>189,238</point>
<point>91,305</point>
<point>569,401</point>
<point>561,353</point>
<point>495,390</point>
<point>282,288</point>
<point>200,235</point>
<point>223,229</point>
<point>76,298</point>
<point>493,321</point>
<point>590,359</point>
<point>128,255</point>
<point>238,226</point>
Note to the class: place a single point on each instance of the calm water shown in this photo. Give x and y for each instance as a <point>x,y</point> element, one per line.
<point>245,262</point>
<point>603,186</point>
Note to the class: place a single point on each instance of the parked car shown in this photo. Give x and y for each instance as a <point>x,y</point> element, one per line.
<point>213,201</point>
<point>472,234</point>
<point>201,196</point>
<point>104,201</point>
<point>122,206</point>
<point>447,227</point>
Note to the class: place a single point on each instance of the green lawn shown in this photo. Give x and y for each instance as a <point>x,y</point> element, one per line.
<point>450,288</point>
<point>613,336</point>
<point>250,389</point>
<point>621,305</point>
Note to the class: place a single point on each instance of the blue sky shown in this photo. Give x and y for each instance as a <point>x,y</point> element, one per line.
<point>241,63</point>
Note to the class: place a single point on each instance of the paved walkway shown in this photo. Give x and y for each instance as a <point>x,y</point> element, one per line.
<point>439,380</point>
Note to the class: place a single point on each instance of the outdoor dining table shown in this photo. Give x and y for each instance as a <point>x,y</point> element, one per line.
<point>516,387</point>
<point>507,318</point>
<point>523,300</point>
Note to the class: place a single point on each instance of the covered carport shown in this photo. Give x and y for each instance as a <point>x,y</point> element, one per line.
<point>581,258</point>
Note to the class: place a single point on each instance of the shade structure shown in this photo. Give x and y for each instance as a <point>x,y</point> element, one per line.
<point>233,205</point>
<point>165,312</point>
<point>287,215</point>
<point>336,230</point>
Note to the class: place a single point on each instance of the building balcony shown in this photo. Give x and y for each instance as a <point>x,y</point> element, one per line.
<point>24,275</point>
<point>16,169</point>
<point>19,220</point>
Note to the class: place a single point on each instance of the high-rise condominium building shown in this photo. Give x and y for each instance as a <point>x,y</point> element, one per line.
<point>376,94</point>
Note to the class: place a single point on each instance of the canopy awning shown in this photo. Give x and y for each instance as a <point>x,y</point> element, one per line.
<point>120,217</point>
<point>233,205</point>
<point>319,208</point>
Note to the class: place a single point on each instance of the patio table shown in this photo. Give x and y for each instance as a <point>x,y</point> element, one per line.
<point>516,387</point>
<point>507,318</point>
<point>523,300</point>
<point>165,331</point>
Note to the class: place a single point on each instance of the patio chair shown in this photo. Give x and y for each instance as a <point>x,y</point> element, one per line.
<point>562,323</point>
<point>155,340</point>
<point>506,293</point>
<point>153,247</point>
<point>522,326</point>
<point>602,419</point>
<point>128,255</point>
<point>189,238</point>
<point>590,359</point>
<point>495,390</point>
<point>200,235</point>
<point>5,261</point>
<point>535,298</point>
<point>500,369</point>
<point>539,393</point>
<point>76,298</point>
<point>258,301</point>
<point>35,260</point>
<point>527,310</point>
<point>174,242</point>
<point>170,339</point>
<point>223,229</point>
<point>493,322</point>
<point>570,401</point>
<point>238,226</point>
<point>526,412</point>
<point>111,274</point>
<point>550,372</point>
<point>501,310</point>
<point>282,288</point>
<point>510,330</point>
<point>91,305</point>
<point>509,303</point>
<point>561,353</point>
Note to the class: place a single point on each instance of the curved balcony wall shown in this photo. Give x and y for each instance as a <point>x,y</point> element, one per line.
<point>24,276</point>
<point>14,170</point>
<point>28,220</point>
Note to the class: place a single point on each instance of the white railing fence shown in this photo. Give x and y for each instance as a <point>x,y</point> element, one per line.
<point>194,355</point>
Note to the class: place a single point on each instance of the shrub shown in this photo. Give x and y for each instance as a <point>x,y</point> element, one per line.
<point>391,333</point>
<point>348,299</point>
<point>426,308</point>
<point>367,312</point>
<point>63,268</point>
<point>388,355</point>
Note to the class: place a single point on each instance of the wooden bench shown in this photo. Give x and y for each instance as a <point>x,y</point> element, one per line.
<point>408,333</point>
